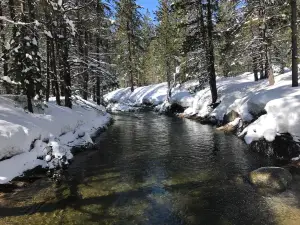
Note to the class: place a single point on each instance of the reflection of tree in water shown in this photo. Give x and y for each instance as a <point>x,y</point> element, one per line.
<point>180,173</point>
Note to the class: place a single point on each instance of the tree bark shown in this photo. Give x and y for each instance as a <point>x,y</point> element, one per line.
<point>98,81</point>
<point>294,43</point>
<point>203,38</point>
<point>54,72</point>
<point>5,65</point>
<point>35,49</point>
<point>67,72</point>
<point>98,43</point>
<point>211,57</point>
<point>255,67</point>
<point>262,39</point>
<point>130,55</point>
<point>86,72</point>
<point>48,71</point>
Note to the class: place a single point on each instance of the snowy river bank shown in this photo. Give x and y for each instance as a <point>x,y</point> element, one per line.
<point>265,114</point>
<point>151,169</point>
<point>45,138</point>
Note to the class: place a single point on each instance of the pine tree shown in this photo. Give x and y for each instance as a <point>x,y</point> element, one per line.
<point>210,53</point>
<point>147,34</point>
<point>128,24</point>
<point>166,40</point>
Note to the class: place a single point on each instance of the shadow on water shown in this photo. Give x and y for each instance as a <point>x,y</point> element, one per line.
<point>152,169</point>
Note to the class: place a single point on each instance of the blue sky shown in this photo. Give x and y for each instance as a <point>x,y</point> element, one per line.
<point>148,4</point>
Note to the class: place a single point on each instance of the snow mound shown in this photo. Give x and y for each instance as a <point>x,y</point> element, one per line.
<point>278,104</point>
<point>123,99</point>
<point>283,116</point>
<point>59,127</point>
<point>120,107</point>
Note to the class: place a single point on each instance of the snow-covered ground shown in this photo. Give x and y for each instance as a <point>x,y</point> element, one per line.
<point>56,126</point>
<point>125,100</point>
<point>249,99</point>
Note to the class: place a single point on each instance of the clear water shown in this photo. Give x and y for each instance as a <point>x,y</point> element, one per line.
<point>150,169</point>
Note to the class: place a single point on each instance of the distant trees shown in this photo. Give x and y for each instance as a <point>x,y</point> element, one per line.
<point>166,36</point>
<point>197,41</point>
<point>56,48</point>
<point>128,25</point>
<point>64,47</point>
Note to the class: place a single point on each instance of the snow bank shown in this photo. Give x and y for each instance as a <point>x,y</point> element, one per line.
<point>249,99</point>
<point>283,116</point>
<point>231,94</point>
<point>120,107</point>
<point>242,94</point>
<point>59,127</point>
<point>124,100</point>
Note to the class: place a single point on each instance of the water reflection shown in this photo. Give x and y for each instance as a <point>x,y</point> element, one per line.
<point>155,170</point>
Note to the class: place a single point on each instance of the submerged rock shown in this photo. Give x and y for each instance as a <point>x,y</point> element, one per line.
<point>272,178</point>
<point>231,116</point>
<point>227,128</point>
<point>230,127</point>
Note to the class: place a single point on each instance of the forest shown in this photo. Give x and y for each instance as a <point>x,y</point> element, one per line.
<point>149,112</point>
<point>88,47</point>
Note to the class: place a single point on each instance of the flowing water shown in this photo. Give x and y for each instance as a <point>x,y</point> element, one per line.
<point>150,169</point>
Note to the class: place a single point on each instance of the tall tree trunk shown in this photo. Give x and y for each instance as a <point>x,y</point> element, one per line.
<point>99,72</point>
<point>203,38</point>
<point>59,55</point>
<point>35,49</point>
<point>94,93</point>
<point>59,64</point>
<point>48,70</point>
<point>262,40</point>
<point>26,79</point>
<point>211,57</point>
<point>255,67</point>
<point>294,43</point>
<point>67,72</point>
<point>168,71</point>
<point>48,49</point>
<point>255,57</point>
<point>86,72</point>
<point>12,10</point>
<point>54,72</point>
<point>81,56</point>
<point>98,43</point>
<point>5,65</point>
<point>130,55</point>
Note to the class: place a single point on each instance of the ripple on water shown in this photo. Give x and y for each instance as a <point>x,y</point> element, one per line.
<point>153,169</point>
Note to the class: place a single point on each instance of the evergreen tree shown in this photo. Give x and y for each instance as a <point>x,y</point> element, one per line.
<point>168,41</point>
<point>128,23</point>
<point>147,34</point>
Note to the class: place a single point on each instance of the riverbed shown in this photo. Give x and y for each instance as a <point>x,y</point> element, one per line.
<point>151,169</point>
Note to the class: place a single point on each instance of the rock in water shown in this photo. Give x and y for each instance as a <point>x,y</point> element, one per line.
<point>231,116</point>
<point>230,127</point>
<point>273,178</point>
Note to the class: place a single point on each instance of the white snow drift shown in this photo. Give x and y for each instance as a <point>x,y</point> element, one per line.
<point>125,100</point>
<point>58,127</point>
<point>248,98</point>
